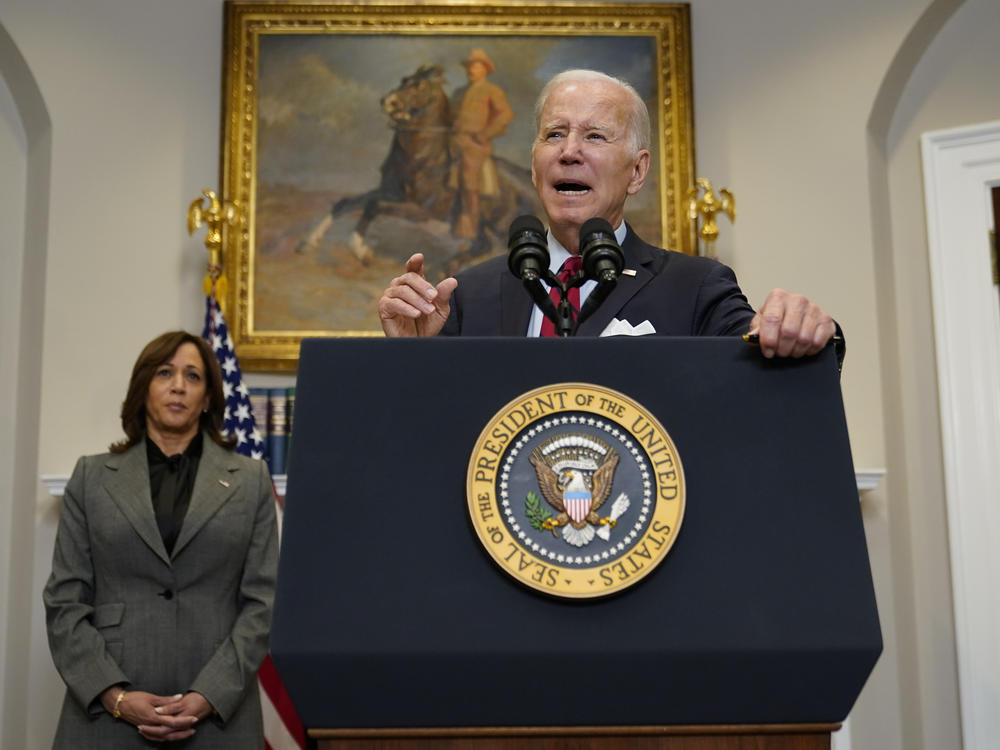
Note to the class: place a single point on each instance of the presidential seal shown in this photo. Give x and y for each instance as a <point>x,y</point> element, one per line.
<point>576,490</point>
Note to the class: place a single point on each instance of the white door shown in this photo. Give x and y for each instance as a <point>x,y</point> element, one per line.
<point>961,166</point>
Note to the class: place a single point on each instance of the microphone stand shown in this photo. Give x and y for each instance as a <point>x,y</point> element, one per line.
<point>564,323</point>
<point>528,260</point>
<point>561,315</point>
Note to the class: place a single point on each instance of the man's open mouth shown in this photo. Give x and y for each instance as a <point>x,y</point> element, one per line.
<point>571,188</point>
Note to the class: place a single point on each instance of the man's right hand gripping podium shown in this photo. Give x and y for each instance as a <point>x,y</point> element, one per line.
<point>591,152</point>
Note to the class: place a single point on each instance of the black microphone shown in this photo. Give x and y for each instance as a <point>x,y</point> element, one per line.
<point>603,261</point>
<point>527,249</point>
<point>602,257</point>
<point>528,259</point>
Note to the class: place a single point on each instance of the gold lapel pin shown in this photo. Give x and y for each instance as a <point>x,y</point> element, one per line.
<point>223,482</point>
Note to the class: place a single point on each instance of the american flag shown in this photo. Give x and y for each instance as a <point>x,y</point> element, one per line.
<point>239,419</point>
<point>282,728</point>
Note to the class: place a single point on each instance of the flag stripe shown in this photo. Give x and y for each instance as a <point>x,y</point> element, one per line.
<point>276,734</point>
<point>280,703</point>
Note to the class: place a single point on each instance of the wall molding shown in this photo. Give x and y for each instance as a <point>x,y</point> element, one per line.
<point>868,479</point>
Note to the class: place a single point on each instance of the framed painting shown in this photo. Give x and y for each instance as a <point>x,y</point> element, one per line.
<point>341,148</point>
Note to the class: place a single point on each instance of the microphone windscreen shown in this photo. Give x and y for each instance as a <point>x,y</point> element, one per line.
<point>602,257</point>
<point>597,225</point>
<point>526,223</point>
<point>527,248</point>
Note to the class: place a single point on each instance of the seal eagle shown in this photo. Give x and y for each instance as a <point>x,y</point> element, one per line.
<point>575,474</point>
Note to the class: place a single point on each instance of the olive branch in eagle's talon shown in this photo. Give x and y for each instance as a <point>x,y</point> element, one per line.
<point>538,515</point>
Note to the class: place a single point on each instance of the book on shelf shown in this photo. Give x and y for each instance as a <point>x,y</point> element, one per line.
<point>273,409</point>
<point>277,428</point>
<point>290,414</point>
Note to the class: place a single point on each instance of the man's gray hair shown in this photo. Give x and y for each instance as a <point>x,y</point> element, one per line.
<point>638,122</point>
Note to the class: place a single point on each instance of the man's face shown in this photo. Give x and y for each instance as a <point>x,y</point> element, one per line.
<point>582,163</point>
<point>476,71</point>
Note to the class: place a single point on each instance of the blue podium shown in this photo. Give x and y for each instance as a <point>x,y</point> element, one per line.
<point>392,622</point>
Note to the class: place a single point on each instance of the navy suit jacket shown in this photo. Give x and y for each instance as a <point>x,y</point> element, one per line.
<point>680,295</point>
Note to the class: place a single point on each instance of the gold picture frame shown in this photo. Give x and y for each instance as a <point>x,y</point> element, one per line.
<point>309,155</point>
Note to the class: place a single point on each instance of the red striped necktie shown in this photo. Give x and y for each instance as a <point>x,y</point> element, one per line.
<point>569,268</point>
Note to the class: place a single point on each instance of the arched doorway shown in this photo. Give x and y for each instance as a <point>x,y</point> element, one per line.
<point>25,141</point>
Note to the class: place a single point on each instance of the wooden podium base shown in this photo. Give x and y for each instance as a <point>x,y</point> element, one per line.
<point>742,737</point>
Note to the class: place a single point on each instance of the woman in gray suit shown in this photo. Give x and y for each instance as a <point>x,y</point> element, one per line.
<point>159,602</point>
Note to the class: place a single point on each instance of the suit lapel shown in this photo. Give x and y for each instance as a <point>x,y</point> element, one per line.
<point>515,305</point>
<point>639,258</point>
<point>127,483</point>
<point>215,484</point>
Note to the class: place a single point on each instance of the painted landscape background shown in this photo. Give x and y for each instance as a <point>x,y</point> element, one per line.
<point>322,137</point>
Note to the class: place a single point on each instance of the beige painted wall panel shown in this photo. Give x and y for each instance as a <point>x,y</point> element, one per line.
<point>955,84</point>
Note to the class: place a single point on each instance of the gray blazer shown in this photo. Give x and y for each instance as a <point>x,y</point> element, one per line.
<point>121,610</point>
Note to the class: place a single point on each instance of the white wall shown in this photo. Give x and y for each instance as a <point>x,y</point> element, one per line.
<point>26,138</point>
<point>133,93</point>
<point>954,84</point>
<point>784,90</point>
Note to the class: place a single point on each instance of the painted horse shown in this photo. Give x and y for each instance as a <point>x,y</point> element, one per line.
<point>417,177</point>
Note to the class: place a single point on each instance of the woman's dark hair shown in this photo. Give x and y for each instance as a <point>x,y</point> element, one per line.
<point>155,353</point>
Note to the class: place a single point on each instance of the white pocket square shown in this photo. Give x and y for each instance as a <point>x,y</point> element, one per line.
<point>624,328</point>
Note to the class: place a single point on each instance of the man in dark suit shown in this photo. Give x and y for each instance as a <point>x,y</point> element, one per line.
<point>590,153</point>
